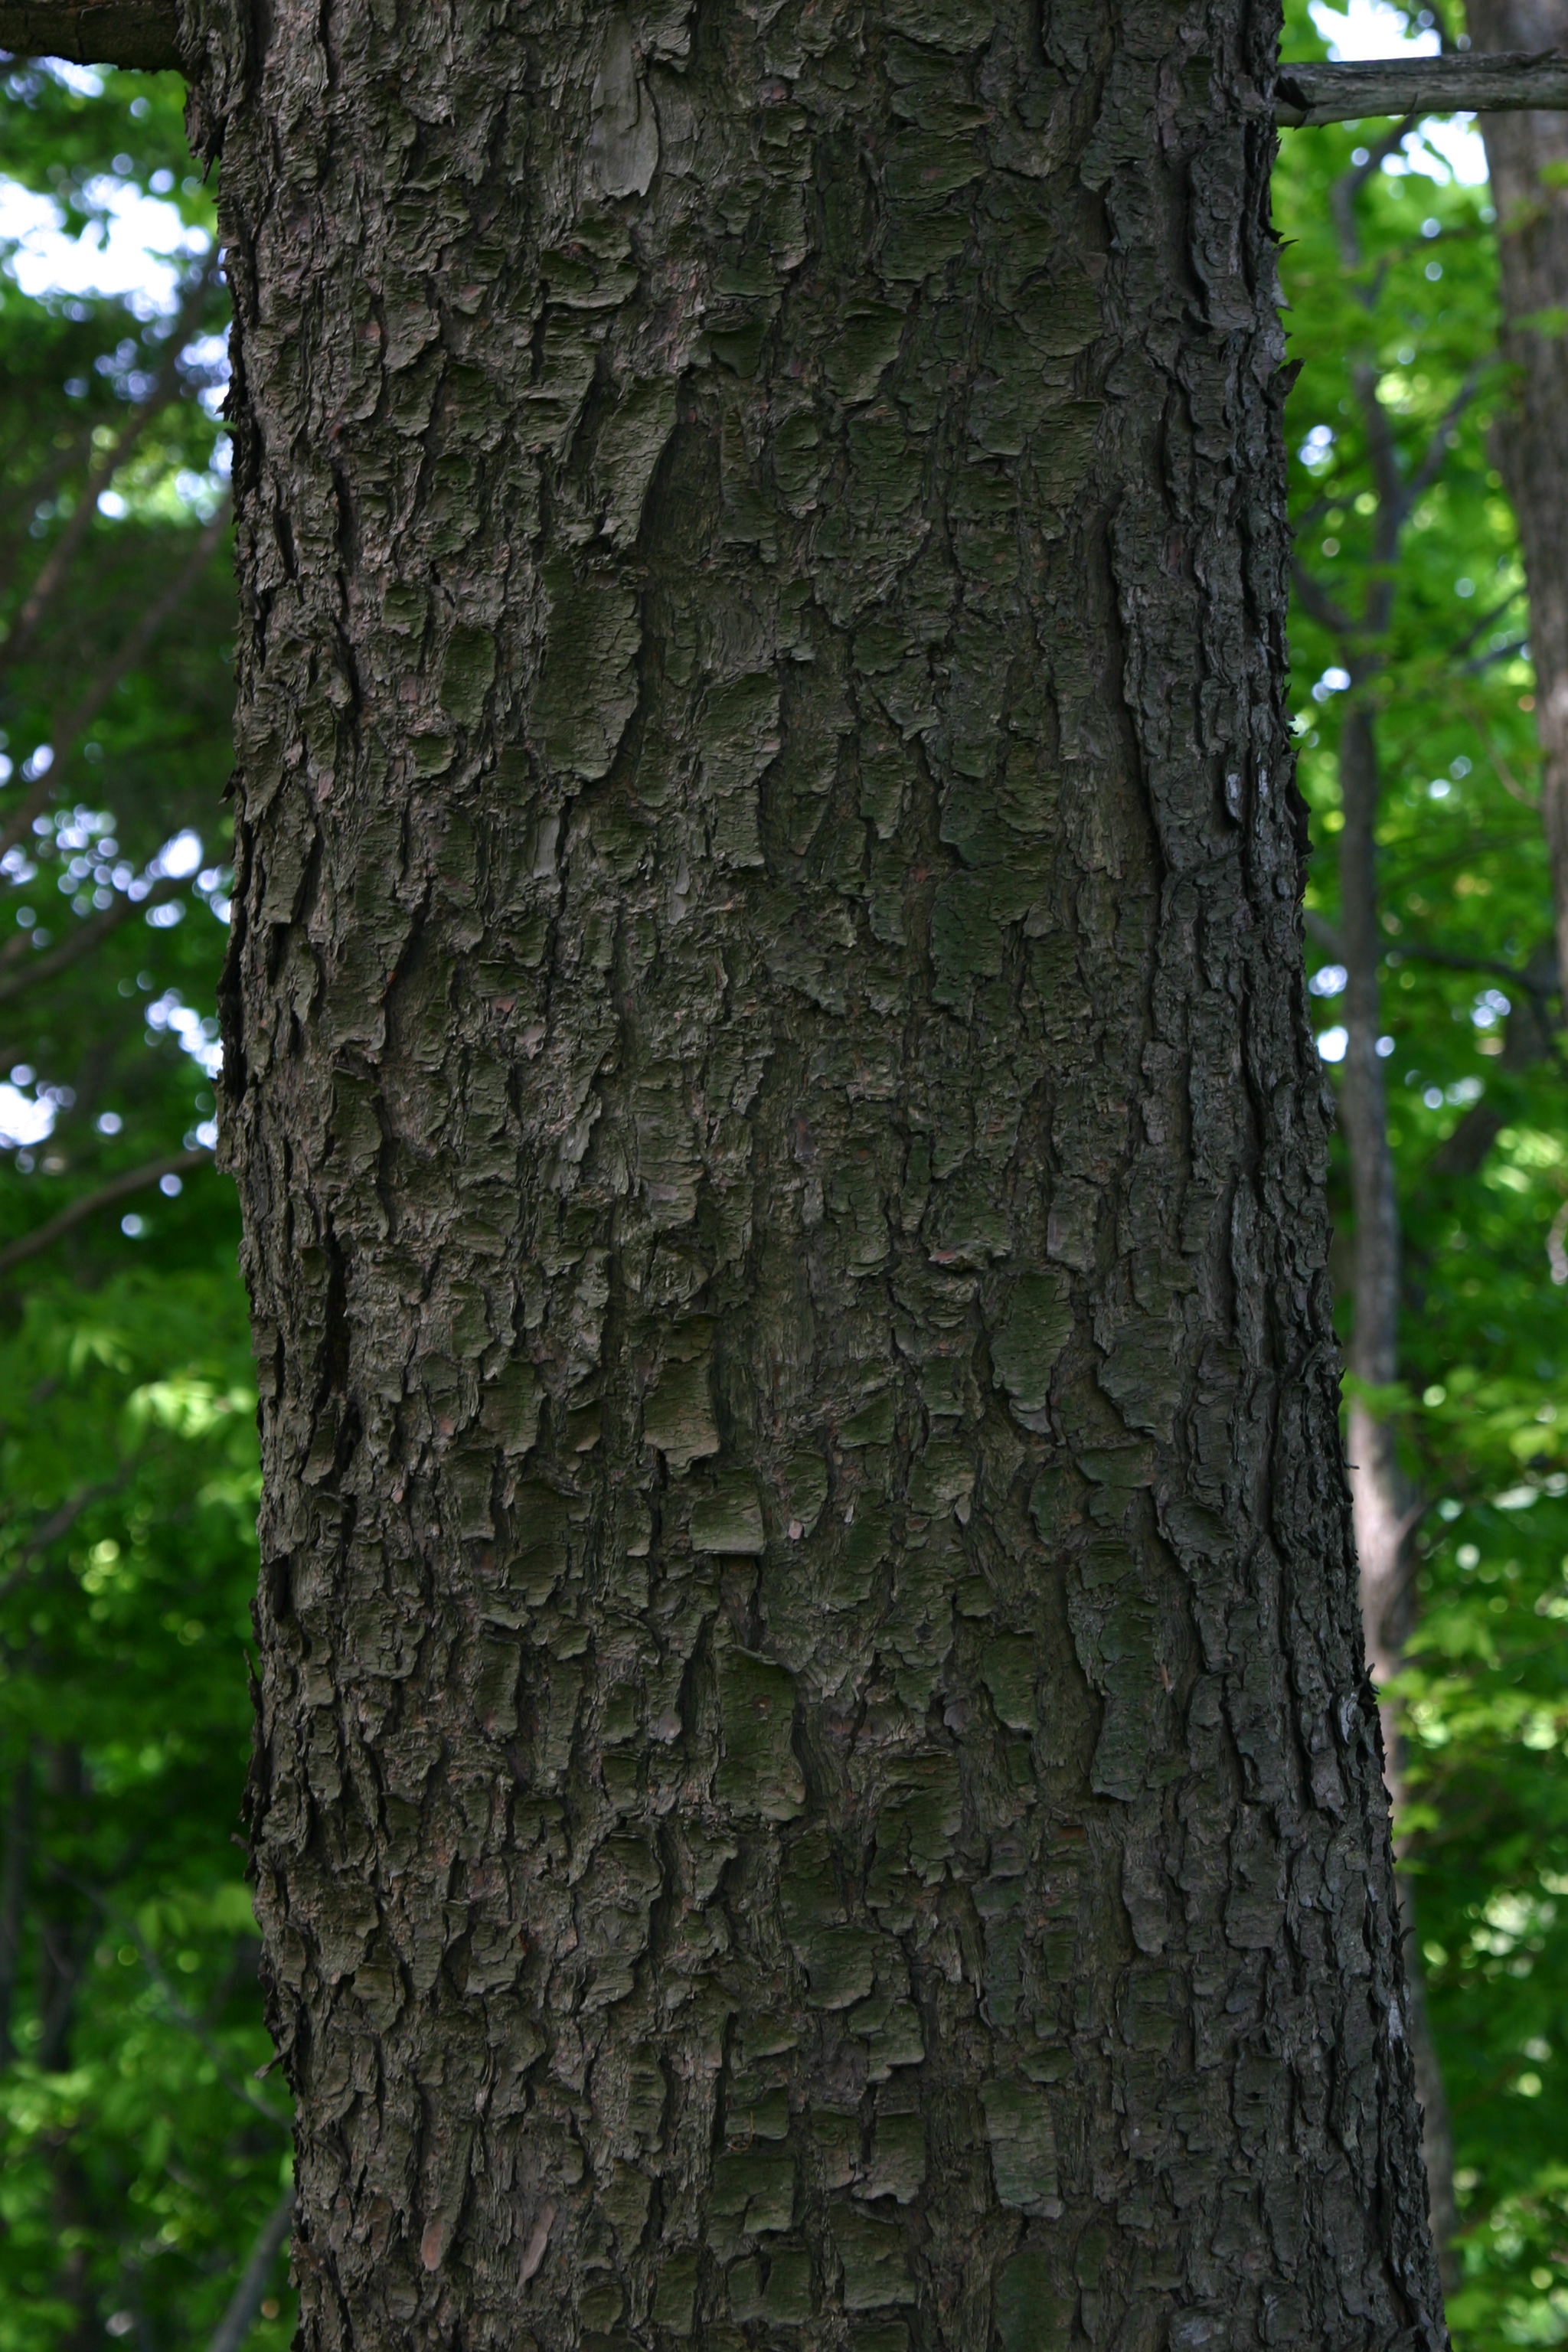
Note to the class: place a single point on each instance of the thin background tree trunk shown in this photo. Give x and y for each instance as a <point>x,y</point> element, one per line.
<point>1383,1504</point>
<point>815,1757</point>
<point>1384,1501</point>
<point>1527,155</point>
<point>1377,1484</point>
<point>13,1894</point>
<point>246,2301</point>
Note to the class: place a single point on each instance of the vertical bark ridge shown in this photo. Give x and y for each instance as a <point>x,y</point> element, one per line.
<point>815,1767</point>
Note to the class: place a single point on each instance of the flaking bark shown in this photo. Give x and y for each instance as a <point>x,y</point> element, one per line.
<point>815,1770</point>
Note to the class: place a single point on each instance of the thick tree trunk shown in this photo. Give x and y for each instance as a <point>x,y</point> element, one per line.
<point>814,1766</point>
<point>1527,155</point>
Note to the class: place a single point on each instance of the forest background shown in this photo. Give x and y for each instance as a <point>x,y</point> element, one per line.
<point>144,2153</point>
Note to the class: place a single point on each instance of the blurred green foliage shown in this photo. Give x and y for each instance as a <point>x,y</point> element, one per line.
<point>140,2154</point>
<point>1478,1123</point>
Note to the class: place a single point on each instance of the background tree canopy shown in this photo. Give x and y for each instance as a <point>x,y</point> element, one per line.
<point>1390,267</point>
<point>138,2154</point>
<point>143,2157</point>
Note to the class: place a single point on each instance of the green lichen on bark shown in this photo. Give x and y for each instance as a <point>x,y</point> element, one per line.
<point>815,1779</point>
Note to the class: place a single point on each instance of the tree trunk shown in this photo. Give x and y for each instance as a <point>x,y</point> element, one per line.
<point>254,2279</point>
<point>65,1924</point>
<point>76,2323</point>
<point>1381,1493</point>
<point>13,1896</point>
<point>1381,1496</point>
<point>1523,152</point>
<point>815,1762</point>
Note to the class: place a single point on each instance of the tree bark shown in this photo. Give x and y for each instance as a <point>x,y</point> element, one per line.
<point>140,34</point>
<point>814,1761</point>
<point>1525,151</point>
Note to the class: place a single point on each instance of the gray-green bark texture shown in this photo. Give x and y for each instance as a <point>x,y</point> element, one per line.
<point>815,1782</point>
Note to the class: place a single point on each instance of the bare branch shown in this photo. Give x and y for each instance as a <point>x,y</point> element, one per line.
<point>1487,661</point>
<point>1452,961</point>
<point>1396,498</point>
<point>85,940</point>
<point>61,557</point>
<point>138,34</point>
<point>1485,621</point>
<point>1442,439</point>
<point>1308,95</point>
<point>1406,951</point>
<point>245,2302</point>
<point>185,2019</point>
<point>61,1521</point>
<point>1393,498</point>
<point>1316,601</point>
<point>1500,766</point>
<point>1468,1145</point>
<point>120,1187</point>
<point>25,499</point>
<point>64,732</point>
<point>1349,186</point>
